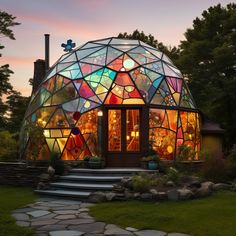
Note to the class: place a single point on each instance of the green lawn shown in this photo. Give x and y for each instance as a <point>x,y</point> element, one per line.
<point>12,198</point>
<point>213,216</point>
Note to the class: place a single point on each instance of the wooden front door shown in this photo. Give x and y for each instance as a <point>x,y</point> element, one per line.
<point>123,139</point>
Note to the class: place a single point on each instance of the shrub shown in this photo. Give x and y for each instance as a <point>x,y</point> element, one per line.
<point>173,175</point>
<point>95,159</point>
<point>215,169</point>
<point>185,153</point>
<point>57,163</point>
<point>9,147</point>
<point>143,182</point>
<point>232,163</point>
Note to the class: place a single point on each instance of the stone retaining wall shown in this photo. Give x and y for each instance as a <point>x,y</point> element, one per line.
<point>20,174</point>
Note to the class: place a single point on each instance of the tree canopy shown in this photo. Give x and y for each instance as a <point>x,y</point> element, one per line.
<point>208,59</point>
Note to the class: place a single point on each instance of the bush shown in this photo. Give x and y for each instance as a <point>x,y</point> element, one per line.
<point>57,163</point>
<point>173,175</point>
<point>143,182</point>
<point>215,169</point>
<point>232,163</point>
<point>9,147</point>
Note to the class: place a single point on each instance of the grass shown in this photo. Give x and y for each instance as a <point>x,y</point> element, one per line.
<point>213,216</point>
<point>12,198</point>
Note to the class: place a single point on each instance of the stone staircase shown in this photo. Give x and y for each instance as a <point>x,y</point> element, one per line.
<point>80,183</point>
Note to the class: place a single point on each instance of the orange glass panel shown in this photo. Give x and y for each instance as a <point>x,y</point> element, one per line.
<point>114,130</point>
<point>132,130</point>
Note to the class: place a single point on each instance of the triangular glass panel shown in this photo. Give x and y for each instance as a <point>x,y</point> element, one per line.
<point>58,120</point>
<point>71,58</point>
<point>43,115</point>
<point>61,143</point>
<point>169,72</point>
<point>123,90</point>
<point>186,98</point>
<point>83,53</point>
<point>71,106</point>
<point>97,58</point>
<point>65,94</point>
<point>62,66</point>
<point>103,41</point>
<point>124,41</point>
<point>56,147</point>
<point>51,73</point>
<point>72,72</point>
<point>163,96</point>
<point>124,48</point>
<point>166,59</point>
<point>50,142</point>
<point>88,68</point>
<point>112,54</point>
<point>90,45</point>
<point>158,54</point>
<point>155,66</point>
<point>141,55</point>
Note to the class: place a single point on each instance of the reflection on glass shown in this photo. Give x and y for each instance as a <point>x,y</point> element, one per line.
<point>132,130</point>
<point>114,130</point>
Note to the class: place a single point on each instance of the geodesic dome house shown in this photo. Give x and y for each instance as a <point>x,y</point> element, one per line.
<point>115,98</point>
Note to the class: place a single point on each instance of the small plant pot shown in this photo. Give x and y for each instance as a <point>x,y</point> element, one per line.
<point>152,165</point>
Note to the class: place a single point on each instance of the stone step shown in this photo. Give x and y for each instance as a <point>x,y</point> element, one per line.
<point>92,179</point>
<point>64,193</point>
<point>82,186</point>
<point>107,171</point>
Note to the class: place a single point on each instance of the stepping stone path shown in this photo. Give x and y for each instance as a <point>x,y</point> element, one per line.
<point>56,217</point>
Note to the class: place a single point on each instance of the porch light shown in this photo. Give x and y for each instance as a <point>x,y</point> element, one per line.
<point>100,113</point>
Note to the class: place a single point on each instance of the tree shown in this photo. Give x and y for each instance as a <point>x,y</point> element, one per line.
<point>172,52</point>
<point>208,59</point>
<point>6,22</point>
<point>17,105</point>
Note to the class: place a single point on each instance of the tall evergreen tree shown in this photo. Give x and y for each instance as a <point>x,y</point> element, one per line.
<point>208,59</point>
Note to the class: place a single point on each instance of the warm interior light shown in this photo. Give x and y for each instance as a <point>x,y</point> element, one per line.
<point>133,134</point>
<point>137,134</point>
<point>100,113</point>
<point>128,63</point>
<point>46,133</point>
<point>127,137</point>
<point>169,149</point>
<point>87,104</point>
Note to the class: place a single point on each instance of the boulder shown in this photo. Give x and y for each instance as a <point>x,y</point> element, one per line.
<point>126,182</point>
<point>222,186</point>
<point>170,184</point>
<point>51,171</point>
<point>205,189</point>
<point>128,194</point>
<point>110,196</point>
<point>194,184</point>
<point>97,197</point>
<point>146,196</point>
<point>173,195</point>
<point>185,194</point>
<point>161,196</point>
<point>118,188</point>
<point>137,195</point>
<point>45,177</point>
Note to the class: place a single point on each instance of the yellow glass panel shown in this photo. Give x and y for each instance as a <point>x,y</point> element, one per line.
<point>114,130</point>
<point>133,101</point>
<point>55,133</point>
<point>132,130</point>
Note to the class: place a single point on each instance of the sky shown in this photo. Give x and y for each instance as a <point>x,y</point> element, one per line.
<point>85,20</point>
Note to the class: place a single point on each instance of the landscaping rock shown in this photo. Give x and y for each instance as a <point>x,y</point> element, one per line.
<point>38,213</point>
<point>150,233</point>
<point>194,184</point>
<point>137,195</point>
<point>65,233</point>
<point>128,194</point>
<point>185,194</point>
<point>97,227</point>
<point>146,196</point>
<point>20,216</point>
<point>222,186</point>
<point>205,189</point>
<point>126,182</point>
<point>161,196</point>
<point>115,230</point>
<point>110,196</point>
<point>118,188</point>
<point>51,171</point>
<point>44,177</point>
<point>23,223</point>
<point>173,195</point>
<point>76,222</point>
<point>170,184</point>
<point>97,197</point>
<point>131,229</point>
